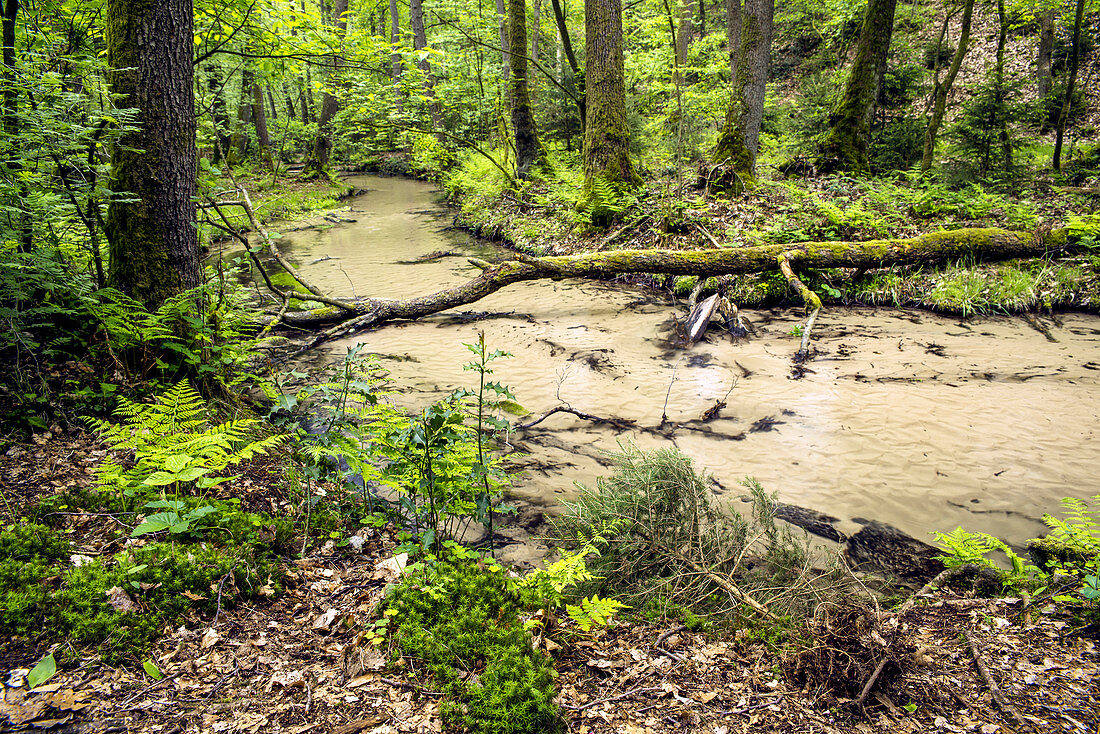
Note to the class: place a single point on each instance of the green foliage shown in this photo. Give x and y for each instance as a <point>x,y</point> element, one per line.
<point>961,548</point>
<point>460,619</point>
<point>174,445</point>
<point>605,202</point>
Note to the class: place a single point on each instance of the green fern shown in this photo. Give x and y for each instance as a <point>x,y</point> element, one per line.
<point>173,443</point>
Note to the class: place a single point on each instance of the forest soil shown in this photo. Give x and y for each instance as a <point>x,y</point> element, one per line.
<point>298,662</point>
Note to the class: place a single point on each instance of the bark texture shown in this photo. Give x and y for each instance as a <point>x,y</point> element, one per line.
<point>523,120</point>
<point>567,48</point>
<point>607,135</point>
<point>941,90</point>
<point>739,139</point>
<point>1044,76</point>
<point>259,119</point>
<point>847,146</point>
<point>218,111</point>
<point>154,245</point>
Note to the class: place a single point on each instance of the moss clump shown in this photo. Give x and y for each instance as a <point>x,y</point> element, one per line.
<point>29,555</point>
<point>460,618</point>
<point>42,592</point>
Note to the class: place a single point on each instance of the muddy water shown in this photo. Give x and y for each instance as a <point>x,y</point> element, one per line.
<point>909,418</point>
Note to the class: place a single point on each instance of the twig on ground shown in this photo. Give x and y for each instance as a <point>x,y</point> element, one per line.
<point>998,698</point>
<point>628,694</point>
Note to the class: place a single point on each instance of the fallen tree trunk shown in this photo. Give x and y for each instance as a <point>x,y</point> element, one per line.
<point>982,244</point>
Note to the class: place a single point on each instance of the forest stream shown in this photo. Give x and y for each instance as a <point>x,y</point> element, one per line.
<point>914,419</point>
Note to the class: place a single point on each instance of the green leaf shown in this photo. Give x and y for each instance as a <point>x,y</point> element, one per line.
<point>43,670</point>
<point>160,479</point>
<point>177,463</point>
<point>152,670</point>
<point>155,523</point>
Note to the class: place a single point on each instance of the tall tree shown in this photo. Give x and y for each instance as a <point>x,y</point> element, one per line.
<point>606,135</point>
<point>733,34</point>
<point>153,242</point>
<point>502,21</point>
<point>1044,77</point>
<point>259,119</point>
<point>1067,101</point>
<point>317,163</point>
<point>847,146</point>
<point>940,90</point>
<point>420,42</point>
<point>528,151</point>
<point>218,111</point>
<point>739,139</point>
<point>567,49</point>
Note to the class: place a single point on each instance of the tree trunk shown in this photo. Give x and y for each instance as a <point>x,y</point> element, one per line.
<point>607,136</point>
<point>578,75</point>
<point>316,165</point>
<point>999,89</point>
<point>290,111</point>
<point>271,101</point>
<point>847,146</point>
<point>396,63</point>
<point>11,90</point>
<point>536,11</point>
<point>420,42</point>
<point>941,91</point>
<point>239,146</point>
<point>739,140</point>
<point>1044,77</point>
<point>502,21</point>
<point>154,244</point>
<point>259,119</point>
<point>219,112</point>
<point>984,244</point>
<point>306,98</point>
<point>1067,103</point>
<point>523,121</point>
<point>733,35</point>
<point>683,33</point>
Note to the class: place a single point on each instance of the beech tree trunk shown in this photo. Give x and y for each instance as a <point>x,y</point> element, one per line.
<point>739,140</point>
<point>528,151</point>
<point>317,163</point>
<point>502,21</point>
<point>847,146</point>
<point>578,75</point>
<point>239,145</point>
<point>606,135</point>
<point>941,91</point>
<point>153,242</point>
<point>259,119</point>
<point>420,42</point>
<point>1044,77</point>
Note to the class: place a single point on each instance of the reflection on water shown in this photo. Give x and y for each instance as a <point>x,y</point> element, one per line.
<point>909,418</point>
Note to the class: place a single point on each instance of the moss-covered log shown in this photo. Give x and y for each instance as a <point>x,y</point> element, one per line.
<point>982,244</point>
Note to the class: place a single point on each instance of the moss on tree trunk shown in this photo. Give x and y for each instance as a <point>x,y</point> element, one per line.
<point>153,242</point>
<point>739,139</point>
<point>528,151</point>
<point>847,146</point>
<point>607,134</point>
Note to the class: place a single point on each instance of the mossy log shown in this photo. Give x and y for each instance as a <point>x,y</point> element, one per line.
<point>981,244</point>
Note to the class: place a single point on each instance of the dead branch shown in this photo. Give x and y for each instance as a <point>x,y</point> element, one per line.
<point>1002,703</point>
<point>621,423</point>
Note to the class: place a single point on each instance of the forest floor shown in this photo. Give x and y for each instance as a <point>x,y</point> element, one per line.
<point>300,661</point>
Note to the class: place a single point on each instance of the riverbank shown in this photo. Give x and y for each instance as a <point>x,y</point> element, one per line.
<point>549,217</point>
<point>297,659</point>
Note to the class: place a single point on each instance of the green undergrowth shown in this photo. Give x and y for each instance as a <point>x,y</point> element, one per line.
<point>460,618</point>
<point>118,604</point>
